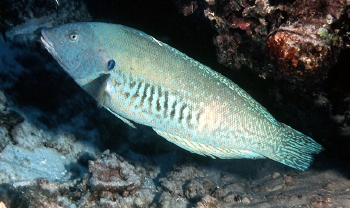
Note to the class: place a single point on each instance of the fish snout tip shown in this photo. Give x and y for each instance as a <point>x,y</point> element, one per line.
<point>42,32</point>
<point>44,39</point>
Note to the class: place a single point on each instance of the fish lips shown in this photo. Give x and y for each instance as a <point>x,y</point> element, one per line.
<point>50,47</point>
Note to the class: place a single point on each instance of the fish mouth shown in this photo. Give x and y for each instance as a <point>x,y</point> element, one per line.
<point>48,45</point>
<point>50,48</point>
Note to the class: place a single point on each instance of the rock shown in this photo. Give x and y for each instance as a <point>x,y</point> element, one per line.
<point>208,202</point>
<point>8,117</point>
<point>245,200</point>
<point>231,198</point>
<point>176,180</point>
<point>288,180</point>
<point>113,175</point>
<point>274,185</point>
<point>194,190</point>
<point>276,175</point>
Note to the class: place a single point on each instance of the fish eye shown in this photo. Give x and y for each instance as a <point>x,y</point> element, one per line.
<point>74,37</point>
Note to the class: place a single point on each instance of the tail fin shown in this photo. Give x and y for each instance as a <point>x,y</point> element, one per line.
<point>296,149</point>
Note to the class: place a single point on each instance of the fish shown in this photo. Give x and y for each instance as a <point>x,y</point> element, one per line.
<point>142,80</point>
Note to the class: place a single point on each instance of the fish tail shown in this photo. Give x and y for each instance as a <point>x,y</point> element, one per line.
<point>296,149</point>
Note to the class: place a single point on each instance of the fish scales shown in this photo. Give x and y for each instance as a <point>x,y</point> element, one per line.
<point>143,80</point>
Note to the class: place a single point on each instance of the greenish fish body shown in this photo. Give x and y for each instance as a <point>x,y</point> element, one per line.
<point>140,79</point>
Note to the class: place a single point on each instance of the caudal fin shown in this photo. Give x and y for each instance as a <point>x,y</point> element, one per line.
<point>296,149</point>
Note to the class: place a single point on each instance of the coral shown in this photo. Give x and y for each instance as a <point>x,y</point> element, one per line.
<point>289,34</point>
<point>186,7</point>
<point>298,56</point>
<point>111,174</point>
<point>227,47</point>
<point>241,23</point>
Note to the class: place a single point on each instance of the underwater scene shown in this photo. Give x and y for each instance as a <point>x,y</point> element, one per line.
<point>174,103</point>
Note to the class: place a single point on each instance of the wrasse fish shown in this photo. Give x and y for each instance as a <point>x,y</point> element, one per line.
<point>143,80</point>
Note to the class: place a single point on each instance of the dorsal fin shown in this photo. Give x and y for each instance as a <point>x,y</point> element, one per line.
<point>96,88</point>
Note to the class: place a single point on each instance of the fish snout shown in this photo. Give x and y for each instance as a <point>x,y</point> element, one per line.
<point>45,40</point>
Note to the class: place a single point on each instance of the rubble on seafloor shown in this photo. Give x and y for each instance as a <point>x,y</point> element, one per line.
<point>113,174</point>
<point>109,180</point>
<point>53,138</point>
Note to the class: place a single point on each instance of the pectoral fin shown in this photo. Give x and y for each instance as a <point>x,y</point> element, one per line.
<point>96,88</point>
<point>207,150</point>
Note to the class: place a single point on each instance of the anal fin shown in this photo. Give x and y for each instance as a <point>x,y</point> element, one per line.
<point>207,150</point>
<point>121,118</point>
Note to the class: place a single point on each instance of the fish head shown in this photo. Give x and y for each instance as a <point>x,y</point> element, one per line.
<point>78,50</point>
